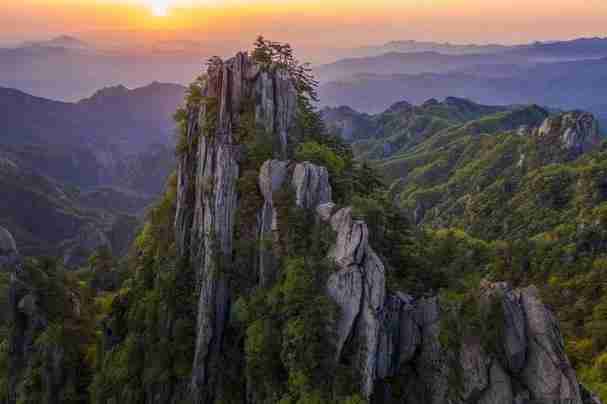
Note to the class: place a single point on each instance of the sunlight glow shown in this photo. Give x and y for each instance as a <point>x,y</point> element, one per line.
<point>160,8</point>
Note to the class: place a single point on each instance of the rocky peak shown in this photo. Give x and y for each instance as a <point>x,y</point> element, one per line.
<point>207,188</point>
<point>7,243</point>
<point>458,101</point>
<point>431,102</point>
<point>106,93</point>
<point>400,106</point>
<point>577,132</point>
<point>9,256</point>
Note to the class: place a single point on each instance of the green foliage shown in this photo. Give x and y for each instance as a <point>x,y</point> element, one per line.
<point>186,117</point>
<point>277,55</point>
<point>320,155</point>
<point>494,208</point>
<point>287,325</point>
<point>152,318</point>
<point>58,298</point>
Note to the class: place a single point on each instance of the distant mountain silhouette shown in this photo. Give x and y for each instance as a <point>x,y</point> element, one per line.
<point>412,63</point>
<point>74,176</point>
<point>91,142</point>
<point>566,85</point>
<point>63,41</point>
<point>573,48</point>
<point>67,68</point>
<point>59,70</point>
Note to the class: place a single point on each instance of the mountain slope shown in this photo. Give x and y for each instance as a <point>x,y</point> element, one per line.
<point>528,189</point>
<point>112,116</point>
<point>494,183</point>
<point>76,175</point>
<point>91,142</point>
<point>403,126</point>
<point>479,168</point>
<point>47,218</point>
<point>276,268</point>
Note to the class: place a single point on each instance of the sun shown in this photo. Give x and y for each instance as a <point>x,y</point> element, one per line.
<point>160,8</point>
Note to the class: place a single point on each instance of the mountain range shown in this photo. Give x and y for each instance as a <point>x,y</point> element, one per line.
<point>446,252</point>
<point>68,68</point>
<point>78,175</point>
<point>581,47</point>
<point>565,85</point>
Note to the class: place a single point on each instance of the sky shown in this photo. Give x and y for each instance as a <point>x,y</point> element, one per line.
<point>304,23</point>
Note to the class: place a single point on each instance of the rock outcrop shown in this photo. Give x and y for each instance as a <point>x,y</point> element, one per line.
<point>577,132</point>
<point>309,184</point>
<point>395,335</point>
<point>207,198</point>
<point>534,368</point>
<point>392,333</point>
<point>8,251</point>
<point>389,336</point>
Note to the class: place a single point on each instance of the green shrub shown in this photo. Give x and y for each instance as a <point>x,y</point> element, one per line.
<point>321,155</point>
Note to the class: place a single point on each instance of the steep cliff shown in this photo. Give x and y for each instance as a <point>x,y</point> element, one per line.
<point>392,341</point>
<point>207,195</point>
<point>277,270</point>
<point>396,337</point>
<point>576,132</point>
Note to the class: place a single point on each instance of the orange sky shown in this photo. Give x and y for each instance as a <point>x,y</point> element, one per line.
<point>307,23</point>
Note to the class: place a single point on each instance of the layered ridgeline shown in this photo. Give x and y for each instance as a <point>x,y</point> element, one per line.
<point>527,184</point>
<point>49,218</point>
<point>75,176</point>
<point>496,172</point>
<point>275,269</point>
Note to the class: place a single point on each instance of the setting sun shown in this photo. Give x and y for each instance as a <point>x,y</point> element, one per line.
<point>160,8</point>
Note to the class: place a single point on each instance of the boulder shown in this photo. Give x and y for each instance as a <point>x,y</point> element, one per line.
<point>311,184</point>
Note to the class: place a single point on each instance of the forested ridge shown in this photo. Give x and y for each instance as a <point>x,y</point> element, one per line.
<point>285,264</point>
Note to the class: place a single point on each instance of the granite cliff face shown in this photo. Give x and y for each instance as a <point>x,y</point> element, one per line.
<point>390,337</point>
<point>577,132</point>
<point>395,335</point>
<point>207,188</point>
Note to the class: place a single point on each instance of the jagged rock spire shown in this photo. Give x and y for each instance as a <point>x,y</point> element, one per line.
<point>207,194</point>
